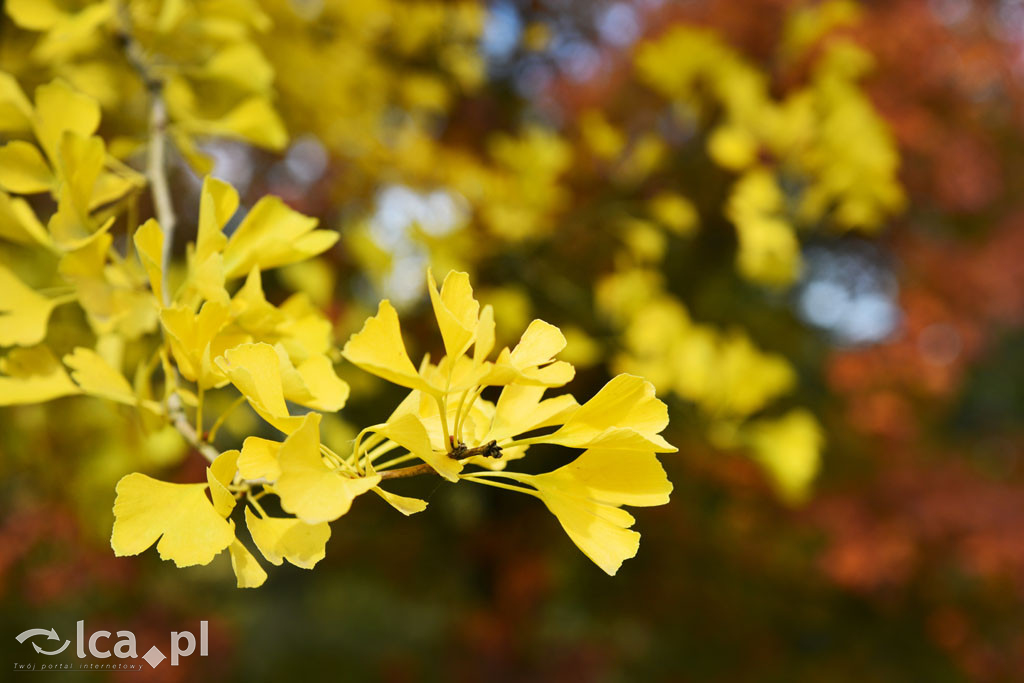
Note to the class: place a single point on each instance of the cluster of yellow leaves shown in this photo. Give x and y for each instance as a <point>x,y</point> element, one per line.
<point>823,142</point>
<point>520,190</point>
<point>515,188</point>
<point>380,57</point>
<point>396,68</point>
<point>202,56</point>
<point>444,424</point>
<point>513,193</point>
<point>272,354</point>
<point>124,297</point>
<point>216,327</point>
<point>60,156</point>
<point>201,320</point>
<point>56,160</point>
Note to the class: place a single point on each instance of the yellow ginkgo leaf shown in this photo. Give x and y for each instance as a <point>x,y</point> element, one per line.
<point>196,340</point>
<point>452,376</point>
<point>69,227</point>
<point>789,449</point>
<point>484,343</point>
<point>219,476</point>
<point>248,572</point>
<point>734,147</point>
<point>73,35</point>
<point>251,310</point>
<point>520,409</point>
<point>34,15</point>
<point>218,202</point>
<point>329,392</point>
<point>224,468</point>
<point>404,504</point>
<point>769,250</point>
<point>24,314</point>
<point>532,361</point>
<point>205,279</point>
<point>271,235</point>
<point>614,477</point>
<point>179,518</point>
<point>308,488</point>
<point>313,383</point>
<point>539,345</point>
<point>585,496</point>
<point>291,539</point>
<point>624,415</point>
<point>456,310</point>
<point>96,377</point>
<point>33,375</point>
<point>110,186</point>
<point>19,223</point>
<point>675,212</point>
<point>266,376</point>
<point>149,243</point>
<point>306,330</point>
<point>601,531</point>
<point>15,109</point>
<point>378,348</point>
<point>241,64</point>
<point>255,370</point>
<point>60,109</point>
<point>254,121</point>
<point>259,459</point>
<point>408,432</point>
<point>23,169</point>
<point>79,163</point>
<point>728,375</point>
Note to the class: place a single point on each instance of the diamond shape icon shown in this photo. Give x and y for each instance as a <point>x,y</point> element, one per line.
<point>154,657</point>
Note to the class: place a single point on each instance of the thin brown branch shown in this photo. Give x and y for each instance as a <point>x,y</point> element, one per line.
<point>460,452</point>
<point>490,449</point>
<point>403,472</point>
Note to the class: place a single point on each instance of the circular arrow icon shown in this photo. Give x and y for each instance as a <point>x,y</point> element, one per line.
<point>50,635</point>
<point>54,652</point>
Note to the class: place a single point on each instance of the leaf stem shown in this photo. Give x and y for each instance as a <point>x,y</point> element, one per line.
<point>442,407</point>
<point>397,461</point>
<point>499,485</point>
<point>223,417</point>
<point>457,428</point>
<point>199,411</point>
<point>253,501</point>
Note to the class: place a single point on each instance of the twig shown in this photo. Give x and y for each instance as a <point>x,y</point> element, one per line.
<point>156,175</point>
<point>156,172</point>
<point>460,452</point>
<point>491,449</point>
<point>403,472</point>
<point>176,413</point>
